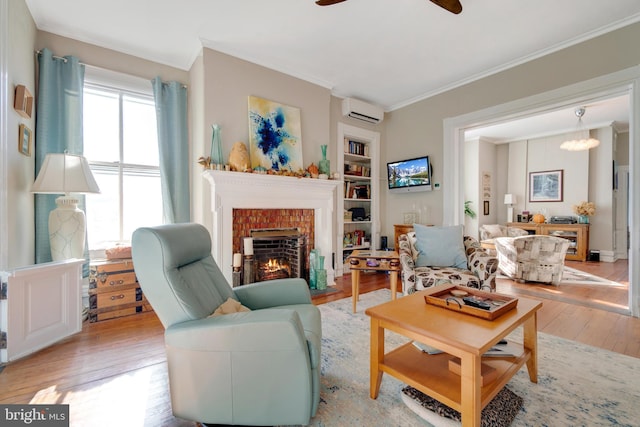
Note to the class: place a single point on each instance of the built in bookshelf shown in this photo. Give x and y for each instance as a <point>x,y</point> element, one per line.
<point>358,201</point>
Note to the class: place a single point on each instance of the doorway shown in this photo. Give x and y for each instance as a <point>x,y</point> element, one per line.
<point>616,84</point>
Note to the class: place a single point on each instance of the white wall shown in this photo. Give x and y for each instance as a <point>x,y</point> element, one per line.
<point>517,179</point>
<point>602,228</point>
<point>473,191</point>
<point>544,154</point>
<point>587,176</point>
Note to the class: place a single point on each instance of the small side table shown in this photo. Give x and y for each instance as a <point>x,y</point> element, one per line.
<point>373,260</point>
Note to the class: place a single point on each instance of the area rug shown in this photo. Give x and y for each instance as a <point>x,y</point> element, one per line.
<point>571,276</point>
<point>500,412</point>
<point>578,385</point>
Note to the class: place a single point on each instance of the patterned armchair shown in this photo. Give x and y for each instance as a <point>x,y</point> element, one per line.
<point>481,273</point>
<point>532,258</point>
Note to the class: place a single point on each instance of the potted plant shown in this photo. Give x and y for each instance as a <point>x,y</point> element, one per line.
<point>584,210</point>
<point>468,211</point>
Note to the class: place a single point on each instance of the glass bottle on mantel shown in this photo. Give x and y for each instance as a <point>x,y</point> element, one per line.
<point>324,165</point>
<point>216,148</point>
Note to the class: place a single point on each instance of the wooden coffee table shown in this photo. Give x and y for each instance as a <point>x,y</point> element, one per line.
<point>373,260</point>
<point>458,335</point>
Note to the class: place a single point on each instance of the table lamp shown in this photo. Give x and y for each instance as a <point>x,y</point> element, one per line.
<point>63,173</point>
<point>510,200</point>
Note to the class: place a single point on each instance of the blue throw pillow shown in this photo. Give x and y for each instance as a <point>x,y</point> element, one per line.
<point>440,246</point>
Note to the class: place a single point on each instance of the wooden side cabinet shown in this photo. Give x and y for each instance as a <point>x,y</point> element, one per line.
<point>577,234</point>
<point>114,290</point>
<point>399,229</point>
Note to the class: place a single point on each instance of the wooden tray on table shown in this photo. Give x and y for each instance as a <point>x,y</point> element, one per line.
<point>444,297</point>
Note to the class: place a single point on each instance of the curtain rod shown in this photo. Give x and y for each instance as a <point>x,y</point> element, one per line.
<point>39,52</point>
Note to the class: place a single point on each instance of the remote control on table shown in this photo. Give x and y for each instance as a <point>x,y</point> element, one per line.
<point>474,302</point>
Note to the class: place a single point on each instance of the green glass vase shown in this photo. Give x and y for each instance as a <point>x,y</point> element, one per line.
<point>324,165</point>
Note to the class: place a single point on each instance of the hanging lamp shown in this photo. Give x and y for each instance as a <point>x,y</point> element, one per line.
<point>581,139</point>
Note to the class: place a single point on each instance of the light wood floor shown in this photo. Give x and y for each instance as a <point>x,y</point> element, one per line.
<point>114,372</point>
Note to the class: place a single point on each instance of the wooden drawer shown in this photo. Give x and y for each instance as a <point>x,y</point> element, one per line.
<point>112,314</point>
<point>115,298</point>
<point>106,274</point>
<point>110,266</point>
<point>108,280</point>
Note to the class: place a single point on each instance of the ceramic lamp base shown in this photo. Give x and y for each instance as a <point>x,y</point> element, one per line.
<point>67,229</point>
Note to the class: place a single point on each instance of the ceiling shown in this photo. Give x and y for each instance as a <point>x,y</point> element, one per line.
<point>387,52</point>
<point>605,112</point>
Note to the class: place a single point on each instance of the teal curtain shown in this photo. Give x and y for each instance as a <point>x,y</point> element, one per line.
<point>173,144</point>
<point>58,128</point>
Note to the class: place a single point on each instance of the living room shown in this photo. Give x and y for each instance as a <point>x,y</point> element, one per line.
<point>219,84</point>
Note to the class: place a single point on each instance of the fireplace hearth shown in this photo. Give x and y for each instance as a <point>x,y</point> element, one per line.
<point>279,253</point>
<point>236,190</point>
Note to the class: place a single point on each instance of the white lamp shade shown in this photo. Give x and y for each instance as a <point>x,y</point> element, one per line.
<point>580,144</point>
<point>510,199</point>
<point>63,173</point>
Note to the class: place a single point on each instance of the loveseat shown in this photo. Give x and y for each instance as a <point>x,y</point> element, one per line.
<point>480,272</point>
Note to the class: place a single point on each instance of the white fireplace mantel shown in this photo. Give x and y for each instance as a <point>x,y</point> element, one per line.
<point>238,190</point>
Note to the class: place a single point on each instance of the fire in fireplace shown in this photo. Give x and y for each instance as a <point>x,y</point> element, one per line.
<point>279,253</point>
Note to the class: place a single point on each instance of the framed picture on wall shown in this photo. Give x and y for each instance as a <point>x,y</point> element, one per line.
<point>24,140</point>
<point>545,186</point>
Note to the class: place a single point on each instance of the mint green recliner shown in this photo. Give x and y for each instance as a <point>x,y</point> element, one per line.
<point>258,367</point>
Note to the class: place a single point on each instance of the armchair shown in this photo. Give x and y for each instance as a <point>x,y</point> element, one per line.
<point>533,258</point>
<point>256,367</point>
<point>480,273</point>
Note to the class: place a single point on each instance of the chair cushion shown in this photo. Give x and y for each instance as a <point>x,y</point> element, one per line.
<point>427,277</point>
<point>228,307</point>
<point>440,246</point>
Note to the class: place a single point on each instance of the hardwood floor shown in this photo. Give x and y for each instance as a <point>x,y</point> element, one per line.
<point>590,314</point>
<point>114,372</point>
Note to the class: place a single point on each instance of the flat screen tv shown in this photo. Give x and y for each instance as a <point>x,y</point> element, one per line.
<point>409,175</point>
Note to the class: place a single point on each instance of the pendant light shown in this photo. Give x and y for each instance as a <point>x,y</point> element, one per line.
<point>581,139</point>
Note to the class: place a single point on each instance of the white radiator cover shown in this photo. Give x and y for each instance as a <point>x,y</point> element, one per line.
<point>41,304</point>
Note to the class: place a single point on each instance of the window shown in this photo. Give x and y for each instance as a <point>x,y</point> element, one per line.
<point>120,143</point>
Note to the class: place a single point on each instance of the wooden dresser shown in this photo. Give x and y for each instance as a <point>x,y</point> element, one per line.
<point>114,290</point>
<point>577,234</point>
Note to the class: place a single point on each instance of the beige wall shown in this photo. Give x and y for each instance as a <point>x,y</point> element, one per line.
<point>418,128</point>
<point>228,82</point>
<point>19,234</point>
<point>93,55</point>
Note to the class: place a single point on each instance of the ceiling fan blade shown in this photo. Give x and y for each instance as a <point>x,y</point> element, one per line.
<point>452,6</point>
<point>328,2</point>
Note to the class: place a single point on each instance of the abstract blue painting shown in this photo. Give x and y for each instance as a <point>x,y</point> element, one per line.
<point>275,136</point>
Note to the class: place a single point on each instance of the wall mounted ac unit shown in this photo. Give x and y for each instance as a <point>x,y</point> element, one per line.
<point>362,111</point>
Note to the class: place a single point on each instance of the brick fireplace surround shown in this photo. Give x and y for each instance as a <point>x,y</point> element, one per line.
<point>247,191</point>
<point>245,220</point>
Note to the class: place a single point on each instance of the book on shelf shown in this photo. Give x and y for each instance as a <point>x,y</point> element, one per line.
<point>426,348</point>
<point>353,238</point>
<point>356,191</point>
<point>355,147</point>
<point>507,349</point>
<point>356,169</point>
